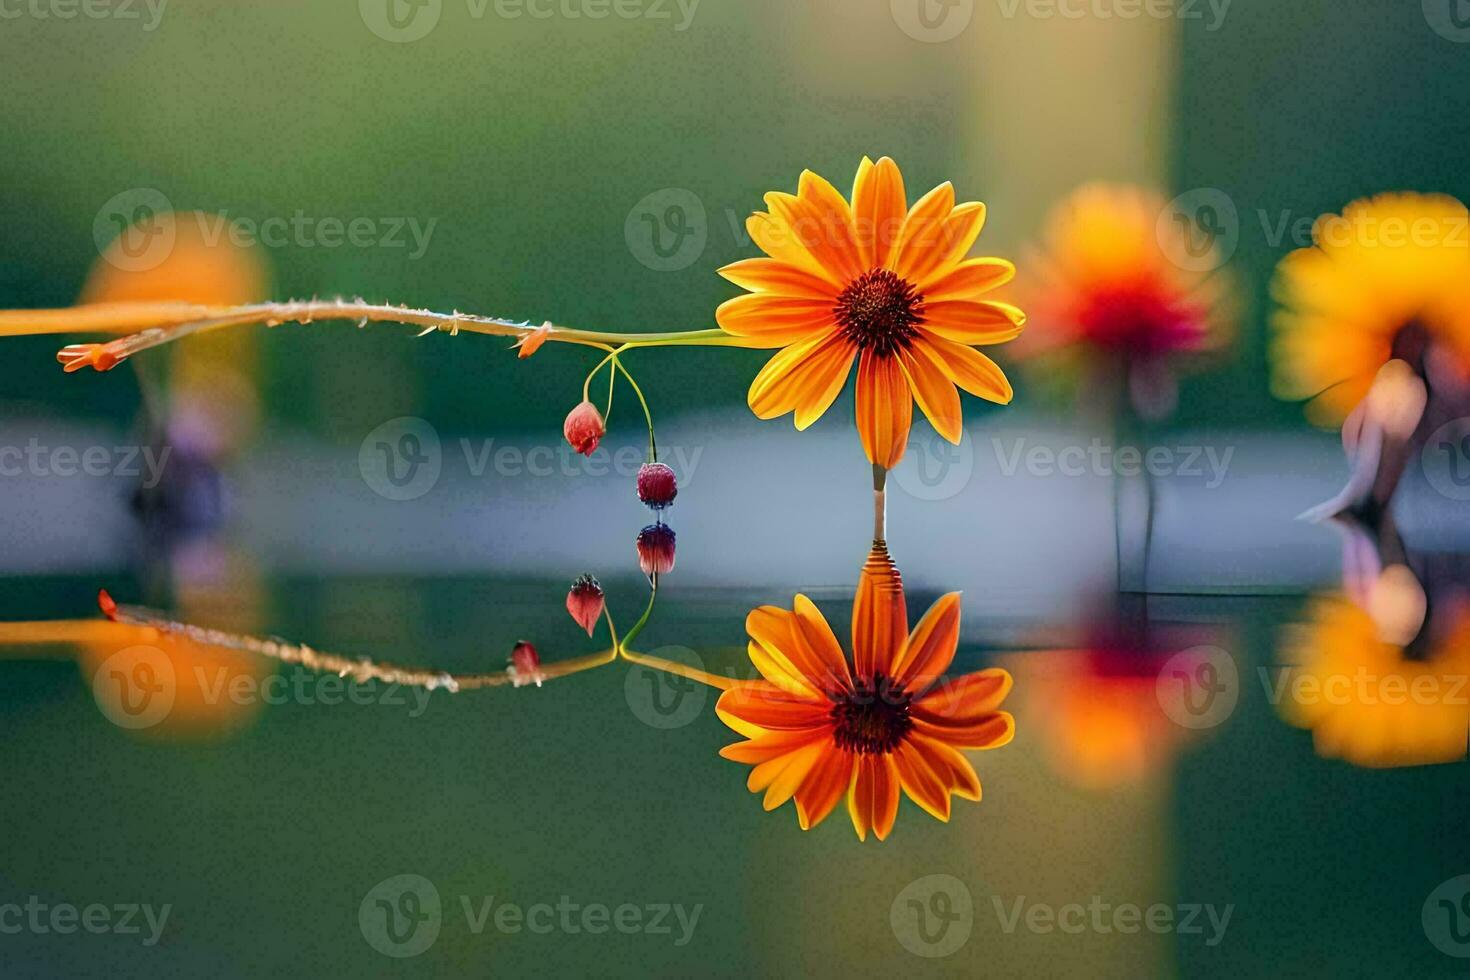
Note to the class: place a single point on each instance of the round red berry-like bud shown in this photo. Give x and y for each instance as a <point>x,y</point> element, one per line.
<point>585,602</point>
<point>584,428</point>
<point>525,665</point>
<point>656,550</point>
<point>657,486</point>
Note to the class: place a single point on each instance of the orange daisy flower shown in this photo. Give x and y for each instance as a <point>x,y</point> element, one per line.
<point>819,728</point>
<point>1109,295</point>
<point>879,281</point>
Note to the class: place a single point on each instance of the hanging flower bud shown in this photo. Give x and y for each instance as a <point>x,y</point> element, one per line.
<point>656,550</point>
<point>585,602</point>
<point>584,428</point>
<point>525,666</point>
<point>657,486</point>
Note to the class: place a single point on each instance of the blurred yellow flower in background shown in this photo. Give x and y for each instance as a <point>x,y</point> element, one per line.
<point>879,281</point>
<point>1387,278</point>
<point>1112,301</point>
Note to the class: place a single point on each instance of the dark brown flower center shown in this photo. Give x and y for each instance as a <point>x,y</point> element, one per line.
<point>873,718</point>
<point>879,312</point>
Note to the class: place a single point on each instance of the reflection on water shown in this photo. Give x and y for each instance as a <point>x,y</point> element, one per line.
<point>1379,673</point>
<point>324,788</point>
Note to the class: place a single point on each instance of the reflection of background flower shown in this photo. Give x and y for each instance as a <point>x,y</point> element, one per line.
<point>206,412</point>
<point>1096,710</point>
<point>1120,297</point>
<point>1378,685</point>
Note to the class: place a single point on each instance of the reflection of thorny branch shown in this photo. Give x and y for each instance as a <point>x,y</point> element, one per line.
<point>148,325</point>
<point>127,624</point>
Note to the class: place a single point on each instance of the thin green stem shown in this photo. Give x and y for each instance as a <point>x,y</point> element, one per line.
<point>642,620</point>
<point>647,415</point>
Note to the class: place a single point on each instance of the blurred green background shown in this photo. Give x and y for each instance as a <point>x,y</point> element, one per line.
<point>528,142</point>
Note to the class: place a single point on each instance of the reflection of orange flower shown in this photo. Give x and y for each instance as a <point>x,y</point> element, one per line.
<point>1365,699</point>
<point>818,729</point>
<point>1383,278</point>
<point>878,281</point>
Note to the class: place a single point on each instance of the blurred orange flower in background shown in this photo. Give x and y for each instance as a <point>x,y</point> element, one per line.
<point>1388,278</point>
<point>819,728</point>
<point>879,281</point>
<point>1111,293</point>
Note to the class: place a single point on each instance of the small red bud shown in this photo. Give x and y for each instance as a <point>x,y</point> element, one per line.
<point>656,550</point>
<point>584,428</point>
<point>657,486</point>
<point>107,605</point>
<point>525,665</point>
<point>585,602</point>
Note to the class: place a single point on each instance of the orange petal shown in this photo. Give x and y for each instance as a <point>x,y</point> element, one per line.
<point>923,230</point>
<point>968,322</point>
<point>817,230</point>
<point>920,781</point>
<point>774,320</point>
<point>872,802</point>
<point>756,708</point>
<point>933,390</point>
<point>790,772</point>
<point>967,700</point>
<point>787,639</point>
<point>931,647</point>
<point>885,409</point>
<point>800,377</point>
<point>991,732</point>
<point>879,206</point>
<point>950,765</point>
<point>777,668</point>
<point>880,619</point>
<point>835,221</point>
<point>824,786</point>
<point>957,236</point>
<point>766,747</point>
<point>828,665</point>
<point>778,240</point>
<point>778,279</point>
<point>969,279</point>
<point>970,369</point>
